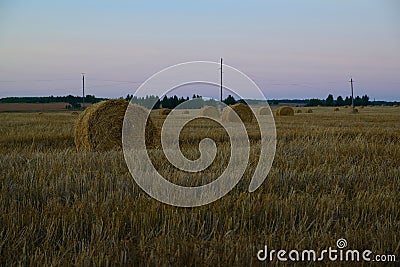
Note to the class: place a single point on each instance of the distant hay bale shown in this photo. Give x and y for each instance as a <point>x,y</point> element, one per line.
<point>319,106</point>
<point>164,111</point>
<point>355,110</point>
<point>310,110</point>
<point>210,111</point>
<point>40,113</point>
<point>336,109</point>
<point>395,106</point>
<point>185,112</point>
<point>285,111</point>
<point>243,111</point>
<point>263,111</point>
<point>74,113</point>
<point>361,107</point>
<point>99,127</point>
<point>345,106</point>
<point>299,111</point>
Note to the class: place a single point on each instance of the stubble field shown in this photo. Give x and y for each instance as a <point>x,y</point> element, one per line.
<point>335,175</point>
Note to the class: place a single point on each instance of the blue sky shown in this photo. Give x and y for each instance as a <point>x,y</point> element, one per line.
<point>292,49</point>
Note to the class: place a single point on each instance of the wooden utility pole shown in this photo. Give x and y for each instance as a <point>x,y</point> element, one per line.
<point>83,90</point>
<point>221,82</point>
<point>352,94</point>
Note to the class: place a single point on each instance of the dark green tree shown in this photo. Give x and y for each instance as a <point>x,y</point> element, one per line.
<point>339,101</point>
<point>230,100</point>
<point>329,101</point>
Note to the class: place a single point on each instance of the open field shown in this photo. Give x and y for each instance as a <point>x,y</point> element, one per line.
<point>335,175</point>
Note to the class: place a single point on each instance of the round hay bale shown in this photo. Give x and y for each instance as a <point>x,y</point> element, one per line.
<point>164,111</point>
<point>355,110</point>
<point>243,111</point>
<point>336,109</point>
<point>210,111</point>
<point>395,106</point>
<point>99,127</point>
<point>310,110</point>
<point>40,113</point>
<point>345,106</point>
<point>361,107</point>
<point>285,111</point>
<point>263,111</point>
<point>74,113</point>
<point>299,111</point>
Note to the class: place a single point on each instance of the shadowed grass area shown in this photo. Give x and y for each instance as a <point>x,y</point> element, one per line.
<point>335,175</point>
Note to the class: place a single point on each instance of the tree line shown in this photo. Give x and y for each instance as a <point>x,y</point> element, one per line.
<point>197,101</point>
<point>339,101</point>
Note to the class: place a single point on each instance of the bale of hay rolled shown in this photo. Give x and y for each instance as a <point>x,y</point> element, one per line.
<point>345,106</point>
<point>74,113</point>
<point>299,111</point>
<point>395,106</point>
<point>285,111</point>
<point>210,111</point>
<point>310,110</point>
<point>99,127</point>
<point>40,113</point>
<point>164,111</point>
<point>361,107</point>
<point>355,110</point>
<point>336,109</point>
<point>243,111</point>
<point>263,111</point>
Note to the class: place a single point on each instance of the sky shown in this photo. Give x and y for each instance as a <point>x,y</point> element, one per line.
<point>291,49</point>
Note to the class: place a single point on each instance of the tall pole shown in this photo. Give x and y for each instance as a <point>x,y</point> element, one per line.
<point>83,90</point>
<point>352,94</point>
<point>221,82</point>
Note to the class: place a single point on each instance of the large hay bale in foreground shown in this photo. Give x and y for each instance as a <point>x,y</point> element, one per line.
<point>99,127</point>
<point>243,111</point>
<point>210,111</point>
<point>263,111</point>
<point>164,111</point>
<point>285,111</point>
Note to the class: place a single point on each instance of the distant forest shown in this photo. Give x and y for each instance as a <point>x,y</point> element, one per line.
<point>74,102</point>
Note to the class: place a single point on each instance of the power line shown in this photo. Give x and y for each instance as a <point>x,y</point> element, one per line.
<point>53,80</point>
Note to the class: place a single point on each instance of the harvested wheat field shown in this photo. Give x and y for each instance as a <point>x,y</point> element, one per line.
<point>335,175</point>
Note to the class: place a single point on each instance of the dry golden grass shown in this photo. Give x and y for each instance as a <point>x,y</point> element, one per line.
<point>335,175</point>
